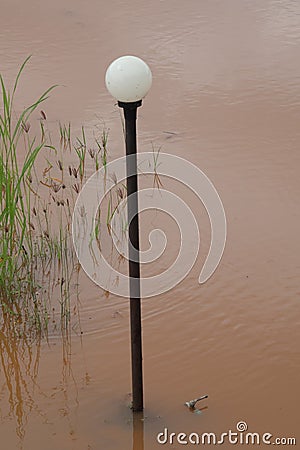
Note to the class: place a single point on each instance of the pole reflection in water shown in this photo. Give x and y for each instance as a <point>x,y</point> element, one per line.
<point>138,431</point>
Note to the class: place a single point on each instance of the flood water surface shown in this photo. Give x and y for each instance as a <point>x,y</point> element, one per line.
<point>226,97</point>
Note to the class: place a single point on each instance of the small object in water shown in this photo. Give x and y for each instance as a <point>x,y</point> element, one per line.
<point>191,404</point>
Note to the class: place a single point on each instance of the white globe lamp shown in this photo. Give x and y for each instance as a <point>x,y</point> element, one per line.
<point>128,79</point>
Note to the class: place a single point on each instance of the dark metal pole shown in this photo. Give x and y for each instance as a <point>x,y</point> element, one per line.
<point>130,114</point>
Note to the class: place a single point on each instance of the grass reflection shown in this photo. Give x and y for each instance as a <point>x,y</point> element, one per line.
<point>19,368</point>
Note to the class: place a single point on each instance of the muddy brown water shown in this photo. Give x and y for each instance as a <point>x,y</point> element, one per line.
<point>225,96</point>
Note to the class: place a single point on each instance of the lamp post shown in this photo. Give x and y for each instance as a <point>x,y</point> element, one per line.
<point>128,79</point>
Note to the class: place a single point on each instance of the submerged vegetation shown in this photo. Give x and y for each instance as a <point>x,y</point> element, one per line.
<point>42,171</point>
<point>39,184</point>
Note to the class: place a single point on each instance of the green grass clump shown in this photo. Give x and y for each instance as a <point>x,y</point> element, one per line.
<point>16,245</point>
<point>39,185</point>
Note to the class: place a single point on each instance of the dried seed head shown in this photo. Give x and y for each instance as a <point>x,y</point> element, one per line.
<point>114,178</point>
<point>76,187</point>
<point>43,115</point>
<point>120,193</point>
<point>92,152</point>
<point>25,126</point>
<point>55,186</point>
<point>24,250</point>
<point>46,170</point>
